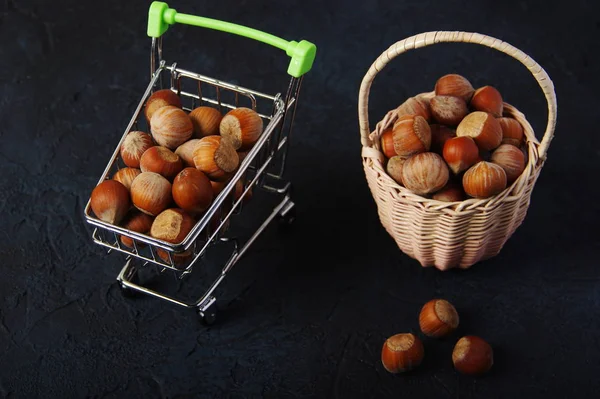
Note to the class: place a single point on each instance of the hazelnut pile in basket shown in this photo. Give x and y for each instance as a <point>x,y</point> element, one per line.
<point>455,143</point>
<point>173,173</point>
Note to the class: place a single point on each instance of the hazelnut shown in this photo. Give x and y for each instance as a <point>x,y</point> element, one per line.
<point>512,131</point>
<point>172,225</point>
<point>161,160</point>
<point>411,135</point>
<point>192,191</point>
<point>136,221</point>
<point>394,167</point>
<point>134,145</point>
<point>186,152</point>
<point>170,126</point>
<point>125,176</point>
<point>206,121</point>
<point>216,157</point>
<point>242,127</point>
<point>425,173</point>
<point>448,110</point>
<point>487,99</point>
<point>239,191</point>
<point>110,201</point>
<point>438,318</point>
<point>439,135</point>
<point>472,356</point>
<point>481,127</point>
<point>402,353</point>
<point>454,85</point>
<point>151,193</point>
<point>387,143</point>
<point>415,106</point>
<point>511,159</point>
<point>217,186</point>
<point>158,99</point>
<point>484,179</point>
<point>460,153</point>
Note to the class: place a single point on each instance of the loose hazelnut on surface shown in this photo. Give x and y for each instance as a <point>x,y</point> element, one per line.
<point>415,106</point>
<point>481,127</point>
<point>454,85</point>
<point>110,201</point>
<point>171,126</point>
<point>206,121</point>
<point>472,356</point>
<point>134,145</point>
<point>394,167</point>
<point>125,176</point>
<point>158,99</point>
<point>487,99</point>
<point>511,159</point>
<point>425,173</point>
<point>439,135</point>
<point>484,179</point>
<point>451,192</point>
<point>161,160</point>
<point>460,153</point>
<point>402,352</point>
<point>387,143</point>
<point>151,193</point>
<point>438,318</point>
<point>411,135</point>
<point>216,157</point>
<point>242,127</point>
<point>512,131</point>
<point>136,221</point>
<point>186,152</point>
<point>448,110</point>
<point>192,190</point>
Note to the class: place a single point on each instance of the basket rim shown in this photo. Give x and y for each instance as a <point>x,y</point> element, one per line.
<point>374,158</point>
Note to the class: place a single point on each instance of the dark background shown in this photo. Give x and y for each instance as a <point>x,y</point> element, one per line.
<point>306,312</point>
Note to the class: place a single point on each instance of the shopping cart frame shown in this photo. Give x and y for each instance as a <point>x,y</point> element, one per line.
<point>262,168</point>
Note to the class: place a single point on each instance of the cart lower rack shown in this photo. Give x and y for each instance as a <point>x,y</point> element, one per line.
<point>261,169</point>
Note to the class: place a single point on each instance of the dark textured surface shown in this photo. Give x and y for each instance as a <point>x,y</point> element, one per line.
<point>317,302</point>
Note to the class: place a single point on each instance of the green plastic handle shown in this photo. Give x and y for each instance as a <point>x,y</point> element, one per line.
<point>303,53</point>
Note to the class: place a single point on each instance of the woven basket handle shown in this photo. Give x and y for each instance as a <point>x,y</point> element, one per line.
<point>429,38</point>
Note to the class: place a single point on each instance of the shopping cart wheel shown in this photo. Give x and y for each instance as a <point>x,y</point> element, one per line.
<point>209,316</point>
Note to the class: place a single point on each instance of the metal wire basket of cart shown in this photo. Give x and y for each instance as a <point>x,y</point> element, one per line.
<point>259,168</point>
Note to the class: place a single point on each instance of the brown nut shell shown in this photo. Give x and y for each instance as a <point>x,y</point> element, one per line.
<point>484,179</point>
<point>136,221</point>
<point>512,131</point>
<point>134,146</point>
<point>460,153</point>
<point>454,85</point>
<point>186,152</point>
<point>411,135</point>
<point>110,201</point>
<point>472,356</point>
<point>206,121</point>
<point>487,99</point>
<point>242,127</point>
<point>192,191</point>
<point>438,318</point>
<point>511,159</point>
<point>402,352</point>
<point>216,157</point>
<point>171,126</point>
<point>425,173</point>
<point>387,143</point>
<point>158,99</point>
<point>172,225</point>
<point>161,160</point>
<point>125,176</point>
<point>415,106</point>
<point>483,128</point>
<point>448,110</point>
<point>151,193</point>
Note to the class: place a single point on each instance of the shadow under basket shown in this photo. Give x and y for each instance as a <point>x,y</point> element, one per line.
<point>450,235</point>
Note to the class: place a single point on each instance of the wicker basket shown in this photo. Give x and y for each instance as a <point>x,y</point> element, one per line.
<point>458,234</point>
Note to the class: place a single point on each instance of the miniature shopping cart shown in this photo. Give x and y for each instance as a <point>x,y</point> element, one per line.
<point>262,168</point>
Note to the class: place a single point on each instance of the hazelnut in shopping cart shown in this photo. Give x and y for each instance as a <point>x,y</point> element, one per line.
<point>137,221</point>
<point>110,201</point>
<point>206,121</point>
<point>158,99</point>
<point>161,160</point>
<point>171,126</point>
<point>242,126</point>
<point>186,152</point>
<point>151,193</point>
<point>125,176</point>
<point>134,146</point>
<point>216,157</point>
<point>192,191</point>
